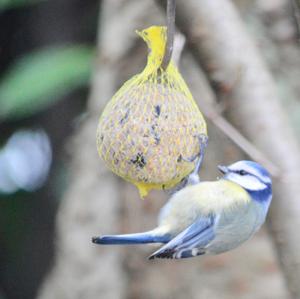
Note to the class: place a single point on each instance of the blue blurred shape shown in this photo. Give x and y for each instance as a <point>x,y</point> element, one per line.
<point>25,161</point>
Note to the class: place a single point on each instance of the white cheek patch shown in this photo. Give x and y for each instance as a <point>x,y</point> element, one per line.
<point>247,181</point>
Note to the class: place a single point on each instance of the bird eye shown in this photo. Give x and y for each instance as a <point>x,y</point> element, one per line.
<point>242,172</point>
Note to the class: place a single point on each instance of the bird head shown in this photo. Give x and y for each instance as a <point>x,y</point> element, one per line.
<point>248,174</point>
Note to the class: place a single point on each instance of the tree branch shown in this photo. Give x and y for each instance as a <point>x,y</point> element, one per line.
<point>296,14</point>
<point>211,113</point>
<point>221,44</point>
<point>243,143</point>
<point>171,12</point>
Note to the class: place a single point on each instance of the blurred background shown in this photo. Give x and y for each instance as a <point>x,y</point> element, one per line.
<point>47,57</point>
<point>45,64</point>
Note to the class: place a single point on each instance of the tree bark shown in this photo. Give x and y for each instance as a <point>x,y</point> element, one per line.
<point>92,202</point>
<point>224,48</point>
<point>97,202</point>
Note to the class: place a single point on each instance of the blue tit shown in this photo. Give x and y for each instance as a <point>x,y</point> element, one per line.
<point>208,217</point>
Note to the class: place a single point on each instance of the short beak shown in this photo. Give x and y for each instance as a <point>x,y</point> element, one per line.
<point>223,169</point>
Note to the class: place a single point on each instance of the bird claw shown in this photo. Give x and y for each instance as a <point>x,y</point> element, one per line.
<point>203,140</point>
<point>193,178</point>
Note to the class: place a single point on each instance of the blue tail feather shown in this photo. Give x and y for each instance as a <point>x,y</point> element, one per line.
<point>138,238</point>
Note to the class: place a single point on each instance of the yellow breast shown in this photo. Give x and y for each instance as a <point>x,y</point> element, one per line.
<point>208,197</point>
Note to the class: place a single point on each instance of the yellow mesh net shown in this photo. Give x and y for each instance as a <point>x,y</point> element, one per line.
<point>149,131</point>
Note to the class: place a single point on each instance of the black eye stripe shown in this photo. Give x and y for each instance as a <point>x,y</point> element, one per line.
<point>242,172</point>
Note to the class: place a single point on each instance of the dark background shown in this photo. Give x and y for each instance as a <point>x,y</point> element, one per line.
<point>27,218</point>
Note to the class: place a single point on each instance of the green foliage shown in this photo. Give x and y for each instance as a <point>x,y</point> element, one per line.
<point>7,4</point>
<point>39,79</point>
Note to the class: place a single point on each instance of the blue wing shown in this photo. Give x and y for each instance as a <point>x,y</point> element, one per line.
<point>189,243</point>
